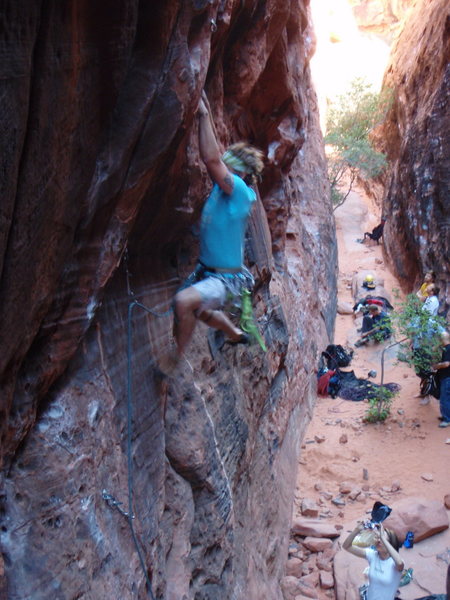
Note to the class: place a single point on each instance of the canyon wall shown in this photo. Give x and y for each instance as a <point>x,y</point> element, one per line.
<point>100,154</point>
<point>415,138</point>
<point>383,18</point>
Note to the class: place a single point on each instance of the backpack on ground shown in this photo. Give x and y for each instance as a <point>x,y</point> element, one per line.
<point>337,356</point>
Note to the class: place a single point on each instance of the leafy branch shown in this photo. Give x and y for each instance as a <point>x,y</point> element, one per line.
<point>350,154</point>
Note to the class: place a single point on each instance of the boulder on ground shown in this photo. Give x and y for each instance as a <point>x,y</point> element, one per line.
<point>419,515</point>
<point>344,308</point>
<point>294,567</point>
<point>359,292</point>
<point>326,580</point>
<point>309,508</point>
<point>313,528</point>
<point>348,575</point>
<point>317,544</point>
<point>290,587</point>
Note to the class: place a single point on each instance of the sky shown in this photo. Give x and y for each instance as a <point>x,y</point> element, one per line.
<point>343,52</point>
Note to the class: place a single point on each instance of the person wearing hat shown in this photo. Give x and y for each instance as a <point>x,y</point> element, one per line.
<point>375,325</point>
<point>369,282</point>
<point>220,273</point>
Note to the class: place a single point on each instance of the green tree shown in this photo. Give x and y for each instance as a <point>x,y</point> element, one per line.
<point>418,335</point>
<point>350,154</point>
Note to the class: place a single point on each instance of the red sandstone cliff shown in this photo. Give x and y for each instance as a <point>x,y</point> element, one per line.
<point>100,151</point>
<point>415,138</point>
<point>383,18</point>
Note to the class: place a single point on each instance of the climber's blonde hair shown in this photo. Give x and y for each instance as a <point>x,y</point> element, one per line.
<point>246,159</point>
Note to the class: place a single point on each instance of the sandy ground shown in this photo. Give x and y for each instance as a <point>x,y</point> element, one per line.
<point>401,450</point>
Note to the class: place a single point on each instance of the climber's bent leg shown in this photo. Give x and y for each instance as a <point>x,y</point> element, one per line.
<point>187,302</point>
<point>218,320</point>
<point>201,301</point>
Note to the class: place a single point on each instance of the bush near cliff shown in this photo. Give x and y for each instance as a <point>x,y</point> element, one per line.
<point>350,120</point>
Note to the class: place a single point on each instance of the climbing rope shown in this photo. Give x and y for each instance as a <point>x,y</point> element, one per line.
<point>130,515</point>
<point>109,499</point>
<point>247,324</point>
<point>131,293</point>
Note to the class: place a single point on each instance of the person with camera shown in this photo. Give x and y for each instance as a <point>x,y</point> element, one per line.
<point>385,563</point>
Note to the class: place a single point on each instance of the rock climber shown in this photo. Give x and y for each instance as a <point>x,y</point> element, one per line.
<point>220,273</point>
<point>377,232</point>
<point>443,370</point>
<point>375,325</point>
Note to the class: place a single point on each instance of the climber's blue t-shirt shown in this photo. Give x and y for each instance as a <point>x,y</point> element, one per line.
<point>223,224</point>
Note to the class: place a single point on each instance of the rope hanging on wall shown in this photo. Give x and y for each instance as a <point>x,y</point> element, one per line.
<point>109,499</point>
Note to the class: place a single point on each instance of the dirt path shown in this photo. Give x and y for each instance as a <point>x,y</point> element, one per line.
<point>381,457</point>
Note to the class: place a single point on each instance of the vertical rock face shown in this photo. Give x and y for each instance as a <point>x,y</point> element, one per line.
<point>380,17</point>
<point>415,137</point>
<point>100,152</point>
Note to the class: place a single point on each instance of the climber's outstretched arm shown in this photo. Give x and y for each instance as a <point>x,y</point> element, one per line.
<point>210,151</point>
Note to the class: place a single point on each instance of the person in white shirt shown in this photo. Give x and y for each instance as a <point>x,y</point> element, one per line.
<point>431,303</point>
<point>385,563</point>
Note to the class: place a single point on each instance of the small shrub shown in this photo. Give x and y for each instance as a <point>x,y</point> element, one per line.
<point>380,403</point>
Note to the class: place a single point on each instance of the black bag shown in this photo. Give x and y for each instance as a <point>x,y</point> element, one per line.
<point>430,385</point>
<point>337,356</point>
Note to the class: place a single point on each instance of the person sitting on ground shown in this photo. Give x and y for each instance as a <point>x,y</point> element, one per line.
<point>377,232</point>
<point>443,369</point>
<point>422,293</point>
<point>220,272</point>
<point>385,563</point>
<point>431,303</point>
<point>375,325</point>
<point>369,282</point>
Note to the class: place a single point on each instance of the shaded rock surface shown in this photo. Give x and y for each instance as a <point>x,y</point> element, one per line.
<point>100,152</point>
<point>415,138</point>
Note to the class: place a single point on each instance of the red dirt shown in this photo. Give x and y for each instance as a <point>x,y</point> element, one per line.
<point>406,446</point>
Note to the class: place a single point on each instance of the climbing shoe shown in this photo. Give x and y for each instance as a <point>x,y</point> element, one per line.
<point>244,338</point>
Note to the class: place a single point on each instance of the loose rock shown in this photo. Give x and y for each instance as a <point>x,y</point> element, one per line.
<point>326,580</point>
<point>309,508</point>
<point>317,544</point>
